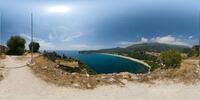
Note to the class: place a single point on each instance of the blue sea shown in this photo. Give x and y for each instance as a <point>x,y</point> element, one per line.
<point>104,64</point>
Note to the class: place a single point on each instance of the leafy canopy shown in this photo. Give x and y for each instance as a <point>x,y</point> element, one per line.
<point>16,45</point>
<point>171,58</point>
<point>35,46</point>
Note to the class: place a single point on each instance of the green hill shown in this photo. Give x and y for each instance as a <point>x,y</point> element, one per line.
<point>151,47</point>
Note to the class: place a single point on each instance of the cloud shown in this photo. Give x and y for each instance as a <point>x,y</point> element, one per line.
<point>80,46</point>
<point>190,37</point>
<point>144,39</point>
<point>64,34</point>
<point>43,44</point>
<point>124,43</point>
<point>168,40</point>
<point>164,39</point>
<point>75,35</point>
<point>128,43</point>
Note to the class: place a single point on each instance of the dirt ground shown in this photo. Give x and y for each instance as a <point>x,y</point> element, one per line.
<point>188,73</point>
<point>21,83</point>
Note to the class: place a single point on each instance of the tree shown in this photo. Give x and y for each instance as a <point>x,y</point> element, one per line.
<point>16,45</point>
<point>171,58</point>
<point>194,51</point>
<point>35,45</point>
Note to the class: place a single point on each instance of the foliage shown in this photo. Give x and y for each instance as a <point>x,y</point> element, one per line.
<point>153,61</point>
<point>83,68</point>
<point>171,58</point>
<point>150,47</point>
<point>194,51</point>
<point>16,45</point>
<point>34,46</point>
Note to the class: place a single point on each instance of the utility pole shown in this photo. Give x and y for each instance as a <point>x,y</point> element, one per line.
<point>199,36</point>
<point>32,38</point>
<point>1,34</point>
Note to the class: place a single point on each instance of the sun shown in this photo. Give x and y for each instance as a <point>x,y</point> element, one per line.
<point>59,9</point>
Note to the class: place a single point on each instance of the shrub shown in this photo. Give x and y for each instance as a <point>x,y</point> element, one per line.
<point>171,58</point>
<point>16,45</point>
<point>194,51</point>
<point>35,45</point>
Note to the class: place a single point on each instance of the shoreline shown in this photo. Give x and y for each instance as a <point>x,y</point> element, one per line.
<point>129,58</point>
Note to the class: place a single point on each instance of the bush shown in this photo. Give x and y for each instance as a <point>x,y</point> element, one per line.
<point>35,45</point>
<point>171,58</point>
<point>16,45</point>
<point>194,51</point>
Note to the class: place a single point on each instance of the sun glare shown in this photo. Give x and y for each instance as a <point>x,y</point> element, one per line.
<point>59,9</point>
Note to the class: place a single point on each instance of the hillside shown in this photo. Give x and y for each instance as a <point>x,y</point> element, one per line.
<point>151,47</point>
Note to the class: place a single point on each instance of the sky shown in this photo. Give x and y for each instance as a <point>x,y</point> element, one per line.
<point>98,24</point>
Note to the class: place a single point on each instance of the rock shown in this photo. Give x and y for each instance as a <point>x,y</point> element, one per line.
<point>134,77</point>
<point>74,73</point>
<point>87,75</point>
<point>44,67</point>
<point>124,81</point>
<point>57,66</point>
<point>111,80</point>
<point>84,81</point>
<point>102,77</point>
<point>76,85</point>
<point>89,86</point>
<point>125,75</point>
<point>149,77</point>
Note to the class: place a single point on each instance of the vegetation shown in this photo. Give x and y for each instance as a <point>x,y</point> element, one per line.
<point>159,47</point>
<point>150,47</point>
<point>171,58</point>
<point>16,45</point>
<point>34,46</point>
<point>153,61</point>
<point>140,51</point>
<point>194,52</point>
<point>82,68</point>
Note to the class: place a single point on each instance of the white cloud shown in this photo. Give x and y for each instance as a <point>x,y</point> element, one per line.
<point>43,44</point>
<point>80,46</point>
<point>144,39</point>
<point>190,37</point>
<point>124,43</point>
<point>75,35</point>
<point>168,40</point>
<point>164,39</point>
<point>64,34</point>
<point>128,43</point>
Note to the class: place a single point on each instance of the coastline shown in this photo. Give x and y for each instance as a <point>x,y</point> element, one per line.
<point>129,58</point>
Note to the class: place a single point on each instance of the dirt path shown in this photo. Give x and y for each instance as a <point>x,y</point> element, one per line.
<point>21,84</point>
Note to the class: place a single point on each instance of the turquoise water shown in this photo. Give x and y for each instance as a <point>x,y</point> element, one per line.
<point>102,63</point>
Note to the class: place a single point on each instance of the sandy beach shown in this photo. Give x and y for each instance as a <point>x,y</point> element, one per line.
<point>129,58</point>
<point>22,84</point>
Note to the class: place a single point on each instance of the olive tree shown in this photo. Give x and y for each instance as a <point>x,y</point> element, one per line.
<point>16,45</point>
<point>34,46</point>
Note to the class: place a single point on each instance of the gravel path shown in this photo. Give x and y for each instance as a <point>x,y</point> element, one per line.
<point>21,84</point>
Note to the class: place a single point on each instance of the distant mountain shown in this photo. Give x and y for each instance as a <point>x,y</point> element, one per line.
<point>151,47</point>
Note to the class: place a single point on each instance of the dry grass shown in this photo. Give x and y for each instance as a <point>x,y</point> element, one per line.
<point>188,73</point>
<point>50,72</point>
<point>73,64</point>
<point>1,66</point>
